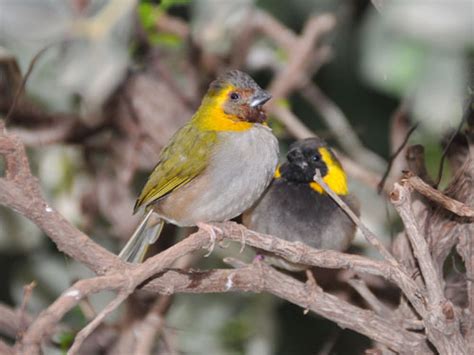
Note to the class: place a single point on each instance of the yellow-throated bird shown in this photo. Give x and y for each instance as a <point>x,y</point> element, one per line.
<point>214,167</point>
<point>296,208</point>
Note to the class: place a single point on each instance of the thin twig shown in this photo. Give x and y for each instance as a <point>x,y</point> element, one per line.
<point>86,331</point>
<point>339,124</point>
<point>151,326</point>
<point>361,287</point>
<point>371,237</point>
<point>381,184</point>
<point>446,149</point>
<point>23,319</point>
<point>25,79</point>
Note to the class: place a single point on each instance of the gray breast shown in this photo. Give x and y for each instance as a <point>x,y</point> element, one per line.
<point>295,212</point>
<point>240,170</point>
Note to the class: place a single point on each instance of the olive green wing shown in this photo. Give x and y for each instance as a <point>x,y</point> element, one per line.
<point>185,157</point>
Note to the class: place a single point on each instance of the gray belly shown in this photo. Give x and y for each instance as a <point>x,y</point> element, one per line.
<point>294,212</point>
<point>238,173</point>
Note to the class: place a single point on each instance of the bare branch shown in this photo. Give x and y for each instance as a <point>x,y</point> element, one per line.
<point>371,237</point>
<point>340,126</point>
<point>377,306</point>
<point>12,320</point>
<point>441,322</point>
<point>437,196</point>
<point>151,326</point>
<point>20,190</point>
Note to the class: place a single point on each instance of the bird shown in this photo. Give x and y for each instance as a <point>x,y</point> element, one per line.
<point>213,168</point>
<point>296,208</point>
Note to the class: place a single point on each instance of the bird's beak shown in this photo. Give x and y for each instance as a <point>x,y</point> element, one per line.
<point>260,98</point>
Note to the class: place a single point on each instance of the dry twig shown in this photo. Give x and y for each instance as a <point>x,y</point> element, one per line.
<point>456,207</point>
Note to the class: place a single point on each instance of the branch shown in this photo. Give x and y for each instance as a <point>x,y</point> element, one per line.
<point>369,235</point>
<point>301,50</point>
<point>363,290</point>
<point>20,191</point>
<point>290,77</point>
<point>292,123</point>
<point>151,326</point>
<point>415,157</point>
<point>406,284</point>
<point>339,124</point>
<point>394,156</point>
<point>124,280</point>
<point>431,193</point>
<point>441,322</point>
<point>12,320</point>
<point>259,277</point>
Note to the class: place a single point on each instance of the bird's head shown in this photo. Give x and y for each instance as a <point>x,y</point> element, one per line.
<point>307,155</point>
<point>233,102</point>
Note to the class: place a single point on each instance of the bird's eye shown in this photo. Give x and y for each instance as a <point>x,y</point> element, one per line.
<point>315,158</point>
<point>234,96</point>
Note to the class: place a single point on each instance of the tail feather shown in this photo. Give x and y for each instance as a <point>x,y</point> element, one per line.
<point>144,235</point>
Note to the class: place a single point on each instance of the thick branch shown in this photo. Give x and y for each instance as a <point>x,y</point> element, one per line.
<point>261,277</point>
<point>125,280</point>
<point>20,190</point>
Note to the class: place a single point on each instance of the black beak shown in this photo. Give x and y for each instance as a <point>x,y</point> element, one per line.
<point>296,157</point>
<point>260,98</point>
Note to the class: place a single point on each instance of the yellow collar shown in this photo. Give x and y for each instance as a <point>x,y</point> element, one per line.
<point>335,178</point>
<point>211,115</point>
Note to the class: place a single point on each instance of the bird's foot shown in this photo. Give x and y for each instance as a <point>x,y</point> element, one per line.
<point>212,233</point>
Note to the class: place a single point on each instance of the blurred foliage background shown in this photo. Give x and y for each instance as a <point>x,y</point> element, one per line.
<point>157,58</point>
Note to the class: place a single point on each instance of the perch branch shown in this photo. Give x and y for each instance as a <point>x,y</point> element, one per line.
<point>125,281</point>
<point>20,190</point>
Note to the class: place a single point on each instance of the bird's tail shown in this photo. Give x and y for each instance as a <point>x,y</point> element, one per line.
<point>144,235</point>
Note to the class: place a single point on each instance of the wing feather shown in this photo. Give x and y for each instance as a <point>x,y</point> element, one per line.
<point>185,157</point>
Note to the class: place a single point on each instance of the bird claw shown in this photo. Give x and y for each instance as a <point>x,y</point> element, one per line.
<point>212,233</point>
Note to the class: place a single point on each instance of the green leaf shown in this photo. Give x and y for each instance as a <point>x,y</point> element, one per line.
<point>148,15</point>
<point>65,340</point>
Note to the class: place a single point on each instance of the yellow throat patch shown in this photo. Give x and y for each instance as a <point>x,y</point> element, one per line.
<point>211,115</point>
<point>335,178</point>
